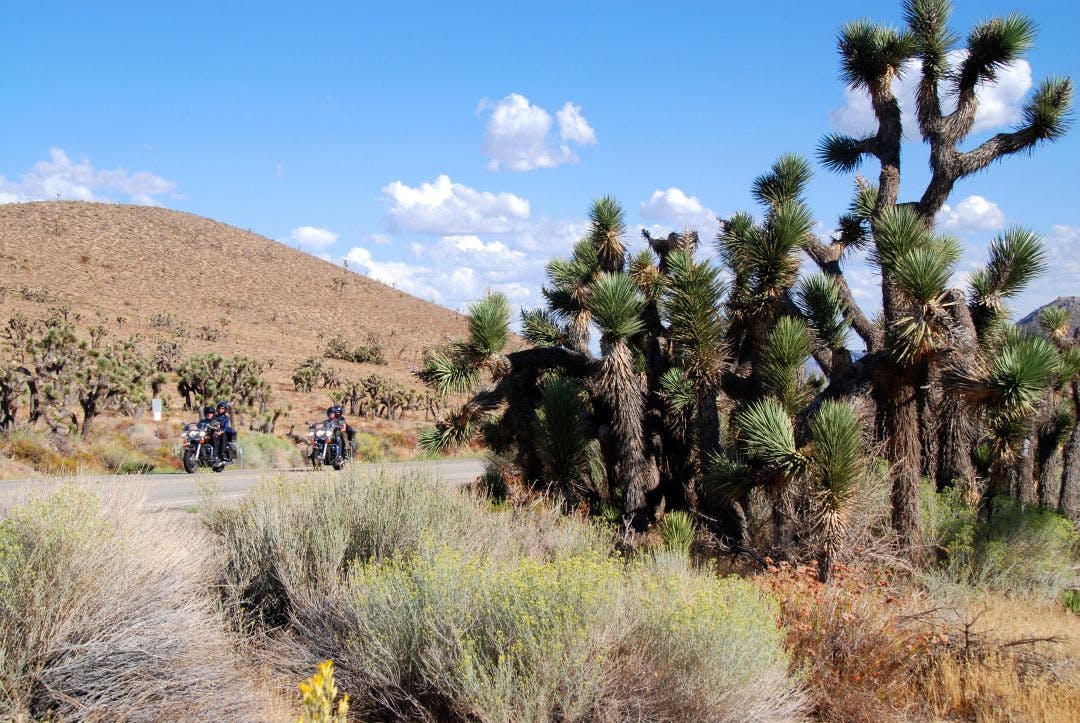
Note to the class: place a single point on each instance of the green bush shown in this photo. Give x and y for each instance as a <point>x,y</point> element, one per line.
<point>370,447</point>
<point>1021,549</point>
<point>265,451</point>
<point>677,531</point>
<point>435,606</point>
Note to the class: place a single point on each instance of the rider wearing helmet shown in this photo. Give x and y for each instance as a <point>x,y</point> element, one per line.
<point>350,433</point>
<point>337,425</point>
<point>210,423</point>
<point>228,431</point>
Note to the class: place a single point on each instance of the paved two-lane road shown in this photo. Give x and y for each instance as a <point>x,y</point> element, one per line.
<point>179,491</point>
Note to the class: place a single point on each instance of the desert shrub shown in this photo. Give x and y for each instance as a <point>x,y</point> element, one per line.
<point>1021,549</point>
<point>265,451</point>
<point>370,447</point>
<point>339,347</point>
<point>859,641</point>
<point>319,701</point>
<point>290,535</point>
<point>38,450</point>
<point>1071,600</point>
<point>104,617</point>
<point>435,606</point>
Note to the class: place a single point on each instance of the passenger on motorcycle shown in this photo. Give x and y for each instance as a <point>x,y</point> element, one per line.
<point>229,432</point>
<point>210,423</point>
<point>336,423</point>
<point>350,432</point>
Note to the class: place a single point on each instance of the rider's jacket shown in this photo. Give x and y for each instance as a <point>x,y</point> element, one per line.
<point>211,422</point>
<point>224,421</point>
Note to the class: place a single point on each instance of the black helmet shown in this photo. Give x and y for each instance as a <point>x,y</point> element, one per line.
<point>331,410</point>
<point>222,404</point>
<point>207,410</point>
<point>340,410</point>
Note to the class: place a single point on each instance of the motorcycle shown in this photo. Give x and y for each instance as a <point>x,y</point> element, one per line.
<point>197,449</point>
<point>324,446</point>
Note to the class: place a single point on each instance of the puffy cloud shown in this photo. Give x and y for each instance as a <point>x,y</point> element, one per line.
<point>680,210</point>
<point>519,135</point>
<point>313,237</point>
<point>573,127</point>
<point>1000,102</point>
<point>974,213</point>
<point>60,177</point>
<point>443,208</point>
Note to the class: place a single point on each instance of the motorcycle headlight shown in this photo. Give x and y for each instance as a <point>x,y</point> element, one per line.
<point>321,433</point>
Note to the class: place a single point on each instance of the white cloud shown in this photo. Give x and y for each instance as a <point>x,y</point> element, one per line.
<point>60,177</point>
<point>379,239</point>
<point>444,208</point>
<point>313,237</point>
<point>999,102</point>
<point>675,207</point>
<point>573,127</point>
<point>519,134</point>
<point>974,213</point>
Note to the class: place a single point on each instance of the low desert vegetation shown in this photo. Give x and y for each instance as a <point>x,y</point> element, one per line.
<point>104,617</point>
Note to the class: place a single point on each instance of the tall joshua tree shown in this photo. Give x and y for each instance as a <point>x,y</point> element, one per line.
<point>872,57</point>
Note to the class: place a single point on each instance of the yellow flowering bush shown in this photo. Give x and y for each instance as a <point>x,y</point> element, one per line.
<point>317,696</point>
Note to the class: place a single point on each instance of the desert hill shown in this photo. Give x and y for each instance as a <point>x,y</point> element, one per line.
<point>1069,303</point>
<point>127,266</point>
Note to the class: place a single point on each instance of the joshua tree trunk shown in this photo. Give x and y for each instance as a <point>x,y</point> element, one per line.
<point>1069,501</point>
<point>954,459</point>
<point>1049,471</point>
<point>1026,489</point>
<point>900,415</point>
<point>632,470</point>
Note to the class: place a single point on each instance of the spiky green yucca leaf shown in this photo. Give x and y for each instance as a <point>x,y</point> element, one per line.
<point>769,256</point>
<point>1069,366</point>
<point>451,433</point>
<point>1047,114</point>
<point>607,224</point>
<point>615,306</point>
<point>768,437</point>
<point>694,307</point>
<point>786,350</point>
<point>840,153</point>
<point>489,325</point>
<point>1017,256</point>
<point>541,328</point>
<point>838,460</point>
<point>870,52</point>
<point>785,181</point>
<point>677,389</point>
<point>928,22</point>
<point>993,44</point>
<point>677,531</point>
<point>646,275</point>
<point>562,440</point>
<point>819,300</point>
<point>897,230</point>
<point>449,370</point>
<point>1054,321</point>
<point>922,274</point>
<point>1020,371</point>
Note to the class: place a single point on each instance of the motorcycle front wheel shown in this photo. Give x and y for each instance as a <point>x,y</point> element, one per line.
<point>190,463</point>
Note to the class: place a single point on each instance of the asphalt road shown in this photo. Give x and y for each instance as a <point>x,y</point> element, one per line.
<point>180,491</point>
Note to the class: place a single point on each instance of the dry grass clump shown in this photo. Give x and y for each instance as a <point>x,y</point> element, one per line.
<point>104,617</point>
<point>1008,659</point>
<point>434,606</point>
<point>859,641</point>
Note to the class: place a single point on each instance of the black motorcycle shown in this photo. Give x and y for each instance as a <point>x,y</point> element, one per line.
<point>197,449</point>
<point>325,446</point>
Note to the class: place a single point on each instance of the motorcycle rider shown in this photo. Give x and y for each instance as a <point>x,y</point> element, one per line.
<point>212,426</point>
<point>335,423</point>
<point>228,431</point>
<point>350,432</point>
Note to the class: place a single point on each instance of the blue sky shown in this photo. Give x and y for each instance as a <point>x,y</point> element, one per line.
<point>448,148</point>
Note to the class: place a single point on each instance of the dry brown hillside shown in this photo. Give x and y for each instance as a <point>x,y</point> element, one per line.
<point>120,265</point>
